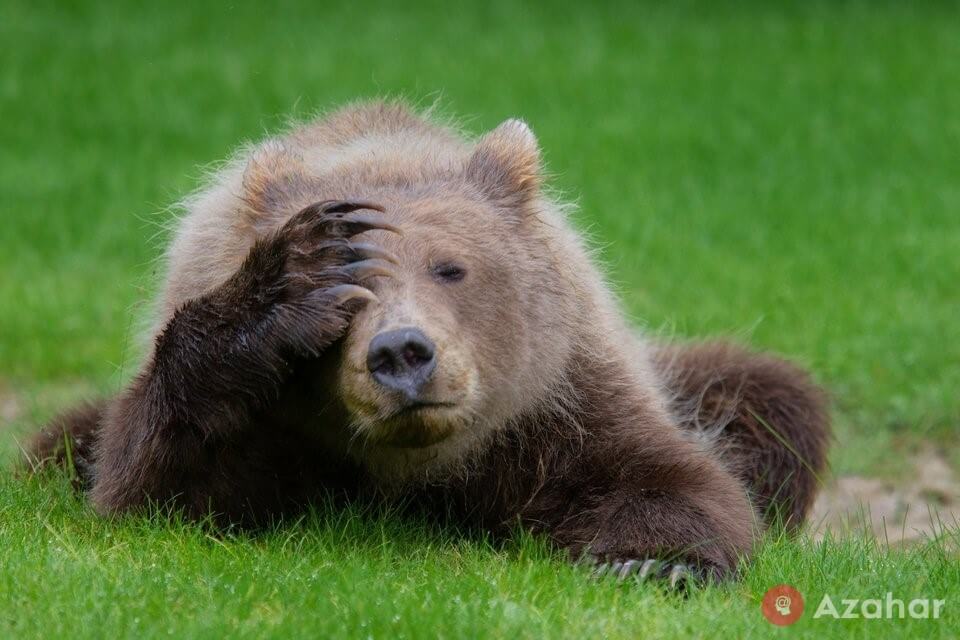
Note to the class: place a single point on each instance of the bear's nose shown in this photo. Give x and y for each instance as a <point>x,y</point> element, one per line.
<point>402,360</point>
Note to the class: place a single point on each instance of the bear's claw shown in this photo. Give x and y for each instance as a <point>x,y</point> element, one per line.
<point>363,269</point>
<point>677,574</point>
<point>321,252</point>
<point>338,219</point>
<point>351,224</point>
<point>344,206</point>
<point>343,293</point>
<point>365,250</point>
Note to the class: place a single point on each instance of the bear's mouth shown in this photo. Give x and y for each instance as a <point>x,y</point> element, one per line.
<point>416,425</point>
<point>414,407</point>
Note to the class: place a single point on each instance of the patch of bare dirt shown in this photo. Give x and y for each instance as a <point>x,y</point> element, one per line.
<point>901,513</point>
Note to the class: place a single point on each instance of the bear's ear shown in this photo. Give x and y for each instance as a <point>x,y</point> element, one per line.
<point>505,164</point>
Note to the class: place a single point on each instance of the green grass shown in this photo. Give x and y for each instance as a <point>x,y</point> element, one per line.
<point>785,174</point>
<point>340,573</point>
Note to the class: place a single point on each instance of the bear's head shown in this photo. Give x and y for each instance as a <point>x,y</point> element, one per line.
<point>466,335</point>
<point>491,293</point>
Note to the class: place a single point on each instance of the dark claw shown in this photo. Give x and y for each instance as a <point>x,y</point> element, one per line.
<point>367,250</point>
<point>339,215</point>
<point>345,206</point>
<point>356,250</point>
<point>353,223</point>
<point>343,293</point>
<point>313,211</point>
<point>367,269</point>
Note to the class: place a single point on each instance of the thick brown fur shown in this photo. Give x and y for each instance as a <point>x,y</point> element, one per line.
<point>764,416</point>
<point>69,439</point>
<point>545,407</point>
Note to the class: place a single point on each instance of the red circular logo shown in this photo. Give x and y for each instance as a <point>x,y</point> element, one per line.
<point>782,605</point>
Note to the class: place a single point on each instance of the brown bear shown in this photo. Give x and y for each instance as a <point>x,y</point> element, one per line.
<point>374,305</point>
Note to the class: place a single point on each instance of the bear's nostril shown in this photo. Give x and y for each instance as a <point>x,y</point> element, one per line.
<point>402,360</point>
<point>381,362</point>
<point>416,353</point>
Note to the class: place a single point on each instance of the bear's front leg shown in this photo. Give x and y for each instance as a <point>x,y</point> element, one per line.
<point>184,428</point>
<point>647,533</point>
<point>641,501</point>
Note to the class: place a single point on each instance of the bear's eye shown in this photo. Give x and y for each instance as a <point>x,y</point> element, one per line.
<point>448,272</point>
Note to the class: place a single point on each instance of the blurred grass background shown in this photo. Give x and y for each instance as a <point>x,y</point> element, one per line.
<point>786,173</point>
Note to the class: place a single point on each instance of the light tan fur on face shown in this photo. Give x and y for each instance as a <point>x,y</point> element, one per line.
<point>506,335</point>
